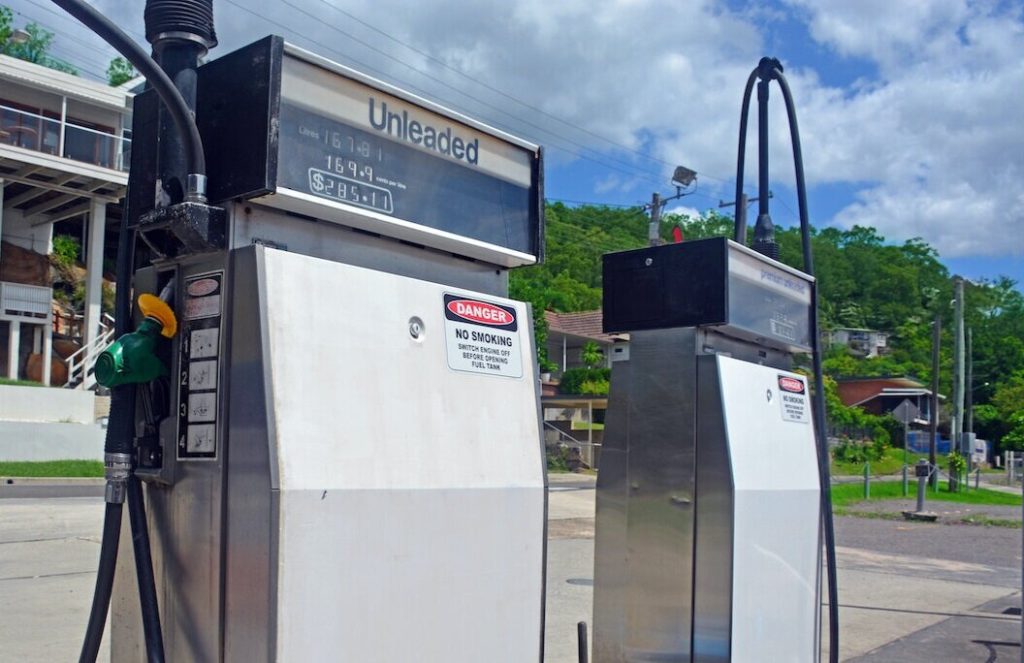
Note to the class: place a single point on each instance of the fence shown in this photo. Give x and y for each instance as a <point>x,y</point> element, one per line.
<point>906,476</point>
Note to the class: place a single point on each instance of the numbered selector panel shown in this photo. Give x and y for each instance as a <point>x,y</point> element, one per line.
<point>198,379</point>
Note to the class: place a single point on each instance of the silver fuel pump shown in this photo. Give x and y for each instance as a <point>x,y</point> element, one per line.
<point>333,420</point>
<point>707,533</point>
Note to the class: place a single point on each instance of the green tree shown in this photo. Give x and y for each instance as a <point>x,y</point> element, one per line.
<point>591,355</point>
<point>120,71</point>
<point>6,19</point>
<point>35,48</point>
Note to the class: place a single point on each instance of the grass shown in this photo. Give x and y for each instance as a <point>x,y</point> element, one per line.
<point>52,468</point>
<point>843,495</point>
<point>20,383</point>
<point>891,462</point>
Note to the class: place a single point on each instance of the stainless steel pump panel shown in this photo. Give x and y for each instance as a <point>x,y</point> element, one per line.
<point>709,283</point>
<point>351,467</point>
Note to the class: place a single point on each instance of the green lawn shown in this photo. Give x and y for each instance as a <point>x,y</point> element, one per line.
<point>891,462</point>
<point>844,495</point>
<point>52,468</point>
<point>20,383</point>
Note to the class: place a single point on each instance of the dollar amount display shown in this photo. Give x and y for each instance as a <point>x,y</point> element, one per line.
<point>347,190</point>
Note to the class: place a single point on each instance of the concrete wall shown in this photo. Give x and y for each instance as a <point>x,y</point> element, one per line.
<point>18,231</point>
<point>44,404</point>
<point>34,441</point>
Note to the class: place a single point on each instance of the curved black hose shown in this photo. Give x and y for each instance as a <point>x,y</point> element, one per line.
<point>104,584</point>
<point>740,226</point>
<point>144,572</point>
<point>123,44</point>
<point>819,400</point>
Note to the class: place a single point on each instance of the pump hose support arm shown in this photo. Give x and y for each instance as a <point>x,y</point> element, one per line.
<point>769,69</point>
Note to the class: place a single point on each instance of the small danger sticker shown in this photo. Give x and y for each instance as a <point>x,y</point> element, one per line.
<point>482,337</point>
<point>794,399</point>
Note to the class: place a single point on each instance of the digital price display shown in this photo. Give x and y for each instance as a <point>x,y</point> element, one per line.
<point>362,153</point>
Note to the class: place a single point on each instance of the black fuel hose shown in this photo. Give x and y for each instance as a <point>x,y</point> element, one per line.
<point>119,440</point>
<point>818,401</point>
<point>180,114</point>
<point>819,381</point>
<point>104,584</point>
<point>144,572</point>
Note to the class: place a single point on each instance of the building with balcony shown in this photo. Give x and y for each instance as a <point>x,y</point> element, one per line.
<point>866,343</point>
<point>64,151</point>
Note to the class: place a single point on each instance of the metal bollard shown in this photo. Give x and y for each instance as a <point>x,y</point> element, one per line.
<point>921,471</point>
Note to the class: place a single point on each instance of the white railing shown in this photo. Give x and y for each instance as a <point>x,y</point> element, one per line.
<point>45,134</point>
<point>31,302</point>
<point>81,362</point>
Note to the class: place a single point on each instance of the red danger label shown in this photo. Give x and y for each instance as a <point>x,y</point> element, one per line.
<point>481,312</point>
<point>791,385</point>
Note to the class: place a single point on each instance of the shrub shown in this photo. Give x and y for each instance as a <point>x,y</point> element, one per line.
<point>593,381</point>
<point>65,250</point>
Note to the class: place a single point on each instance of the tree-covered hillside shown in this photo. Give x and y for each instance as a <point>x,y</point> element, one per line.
<point>865,281</point>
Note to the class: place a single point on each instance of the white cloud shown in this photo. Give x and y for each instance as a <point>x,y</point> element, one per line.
<point>938,136</point>
<point>932,141</point>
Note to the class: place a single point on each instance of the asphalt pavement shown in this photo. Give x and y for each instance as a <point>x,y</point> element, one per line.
<point>909,592</point>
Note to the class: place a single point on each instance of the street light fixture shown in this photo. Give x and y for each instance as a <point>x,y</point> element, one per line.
<point>19,36</point>
<point>683,176</point>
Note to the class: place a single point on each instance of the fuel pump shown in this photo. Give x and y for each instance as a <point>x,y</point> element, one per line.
<point>330,412</point>
<point>712,496</point>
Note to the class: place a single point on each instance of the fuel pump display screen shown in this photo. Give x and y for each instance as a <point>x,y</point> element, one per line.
<point>362,153</point>
<point>340,163</point>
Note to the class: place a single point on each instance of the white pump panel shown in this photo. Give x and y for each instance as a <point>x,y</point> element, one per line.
<point>411,521</point>
<point>776,514</point>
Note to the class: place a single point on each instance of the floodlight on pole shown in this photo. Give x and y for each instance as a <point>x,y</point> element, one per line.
<point>682,177</point>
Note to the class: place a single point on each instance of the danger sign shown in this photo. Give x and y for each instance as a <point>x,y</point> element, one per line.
<point>482,337</point>
<point>793,399</point>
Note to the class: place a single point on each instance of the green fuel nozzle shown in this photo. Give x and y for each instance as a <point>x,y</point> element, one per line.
<point>132,358</point>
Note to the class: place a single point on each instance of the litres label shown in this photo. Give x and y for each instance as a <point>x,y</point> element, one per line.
<point>794,399</point>
<point>482,337</point>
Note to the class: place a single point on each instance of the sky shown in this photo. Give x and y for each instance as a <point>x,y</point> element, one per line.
<point>910,111</point>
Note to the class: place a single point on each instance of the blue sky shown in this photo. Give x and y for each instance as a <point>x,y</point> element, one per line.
<point>909,110</point>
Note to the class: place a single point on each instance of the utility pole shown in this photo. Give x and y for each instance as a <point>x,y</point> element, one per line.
<point>654,230</point>
<point>969,389</point>
<point>957,428</point>
<point>682,177</point>
<point>740,235</point>
<point>934,431</point>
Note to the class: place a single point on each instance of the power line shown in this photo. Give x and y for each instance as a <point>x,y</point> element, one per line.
<point>487,86</point>
<point>595,203</point>
<point>637,172</point>
<point>77,59</point>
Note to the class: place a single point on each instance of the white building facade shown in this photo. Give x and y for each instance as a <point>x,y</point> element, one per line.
<point>64,150</point>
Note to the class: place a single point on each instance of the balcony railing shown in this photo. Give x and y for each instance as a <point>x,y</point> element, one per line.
<point>30,302</point>
<point>45,134</point>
